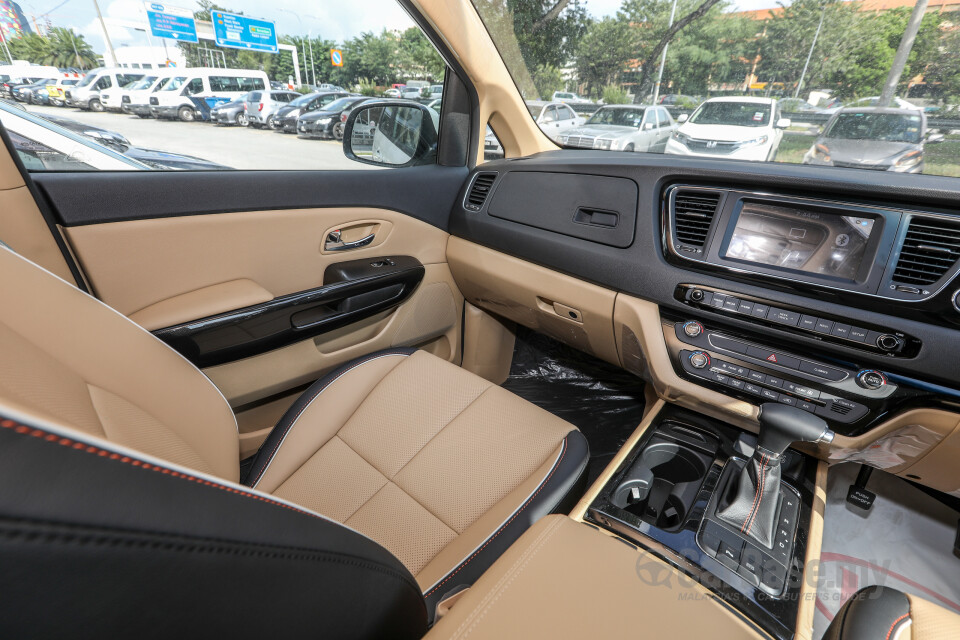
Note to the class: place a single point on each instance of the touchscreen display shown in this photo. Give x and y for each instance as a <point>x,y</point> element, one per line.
<point>810,241</point>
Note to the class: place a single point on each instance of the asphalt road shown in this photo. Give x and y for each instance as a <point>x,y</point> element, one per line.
<point>237,147</point>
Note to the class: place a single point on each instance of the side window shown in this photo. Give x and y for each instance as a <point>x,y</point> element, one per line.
<point>550,115</point>
<point>365,51</point>
<point>665,119</point>
<point>566,113</point>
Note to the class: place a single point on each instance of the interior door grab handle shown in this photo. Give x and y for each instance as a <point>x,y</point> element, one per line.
<point>334,243</point>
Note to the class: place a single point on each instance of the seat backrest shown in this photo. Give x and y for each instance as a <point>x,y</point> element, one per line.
<point>883,612</point>
<point>99,541</point>
<point>71,360</point>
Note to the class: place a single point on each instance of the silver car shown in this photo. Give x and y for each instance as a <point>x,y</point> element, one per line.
<point>640,128</point>
<point>261,106</point>
<point>554,118</point>
<point>881,139</point>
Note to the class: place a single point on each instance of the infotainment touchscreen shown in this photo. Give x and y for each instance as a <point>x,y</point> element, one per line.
<point>805,240</point>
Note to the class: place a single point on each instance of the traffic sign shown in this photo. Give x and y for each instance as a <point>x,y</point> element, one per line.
<point>241,32</point>
<point>171,22</point>
<point>336,57</point>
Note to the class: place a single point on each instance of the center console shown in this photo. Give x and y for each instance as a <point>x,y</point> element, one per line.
<point>677,494</point>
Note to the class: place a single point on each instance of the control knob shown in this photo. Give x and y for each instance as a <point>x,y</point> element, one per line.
<point>871,379</point>
<point>692,328</point>
<point>699,359</point>
<point>889,342</point>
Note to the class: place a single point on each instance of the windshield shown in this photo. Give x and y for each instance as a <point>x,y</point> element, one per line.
<point>619,117</point>
<point>143,83</point>
<point>175,83</point>
<point>739,114</point>
<point>340,104</point>
<point>303,101</point>
<point>87,79</point>
<point>889,127</point>
<point>740,80</point>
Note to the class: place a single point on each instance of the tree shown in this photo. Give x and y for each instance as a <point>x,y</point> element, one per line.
<point>715,51</point>
<point>651,19</point>
<point>604,52</point>
<point>548,79</point>
<point>944,70</point>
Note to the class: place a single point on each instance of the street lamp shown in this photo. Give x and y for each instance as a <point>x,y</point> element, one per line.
<point>309,39</point>
<point>813,44</point>
<point>663,58</point>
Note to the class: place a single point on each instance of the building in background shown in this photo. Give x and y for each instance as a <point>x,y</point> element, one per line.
<point>12,21</point>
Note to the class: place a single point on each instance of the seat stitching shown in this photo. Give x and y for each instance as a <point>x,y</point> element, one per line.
<point>494,593</point>
<point>463,564</point>
<point>149,466</point>
<point>310,402</point>
<point>434,436</point>
<point>895,623</point>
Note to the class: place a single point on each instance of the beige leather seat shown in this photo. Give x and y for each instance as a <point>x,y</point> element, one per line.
<point>439,466</point>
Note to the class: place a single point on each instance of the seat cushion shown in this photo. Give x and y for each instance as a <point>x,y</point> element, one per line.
<point>438,465</point>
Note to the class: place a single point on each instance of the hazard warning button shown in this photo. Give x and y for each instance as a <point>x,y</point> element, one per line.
<point>774,357</point>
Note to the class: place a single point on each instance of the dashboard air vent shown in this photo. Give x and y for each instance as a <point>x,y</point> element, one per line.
<point>930,248</point>
<point>693,213</point>
<point>479,191</point>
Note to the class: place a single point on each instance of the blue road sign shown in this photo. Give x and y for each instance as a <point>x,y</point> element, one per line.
<point>241,32</point>
<point>171,22</point>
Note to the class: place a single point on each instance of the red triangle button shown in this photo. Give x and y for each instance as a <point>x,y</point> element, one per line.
<point>772,357</point>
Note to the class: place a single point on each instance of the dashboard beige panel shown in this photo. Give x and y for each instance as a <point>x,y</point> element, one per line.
<point>565,308</point>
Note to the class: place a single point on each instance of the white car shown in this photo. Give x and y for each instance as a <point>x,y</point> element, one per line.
<point>640,128</point>
<point>739,128</point>
<point>873,101</point>
<point>566,96</point>
<point>554,118</point>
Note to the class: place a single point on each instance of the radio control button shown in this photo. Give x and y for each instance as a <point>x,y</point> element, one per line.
<point>760,310</point>
<point>822,371</point>
<point>756,376</point>
<point>699,359</point>
<point>731,304</point>
<point>841,330</point>
<point>745,307</point>
<point>824,326</point>
<point>858,334</point>
<point>889,342</point>
<point>782,316</point>
<point>718,300</point>
<point>697,295</point>
<point>808,322</point>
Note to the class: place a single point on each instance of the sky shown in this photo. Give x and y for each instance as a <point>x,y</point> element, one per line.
<point>334,19</point>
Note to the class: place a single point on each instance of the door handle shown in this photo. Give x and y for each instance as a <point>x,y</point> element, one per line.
<point>334,243</point>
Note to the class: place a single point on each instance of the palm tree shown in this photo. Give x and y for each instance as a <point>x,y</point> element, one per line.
<point>70,49</point>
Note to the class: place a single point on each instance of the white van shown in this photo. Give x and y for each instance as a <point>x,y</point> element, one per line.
<point>86,93</point>
<point>175,99</point>
<point>121,99</point>
<point>13,74</point>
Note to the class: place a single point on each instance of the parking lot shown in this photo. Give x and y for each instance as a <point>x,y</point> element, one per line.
<point>236,147</point>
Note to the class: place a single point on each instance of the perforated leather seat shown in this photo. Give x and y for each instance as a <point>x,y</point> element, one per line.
<point>439,466</point>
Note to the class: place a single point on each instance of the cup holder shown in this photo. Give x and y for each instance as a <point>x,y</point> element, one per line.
<point>662,485</point>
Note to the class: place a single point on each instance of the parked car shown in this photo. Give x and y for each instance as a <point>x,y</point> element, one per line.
<point>798,105</point>
<point>554,118</point>
<point>230,113</point>
<point>411,93</point>
<point>176,98</point>
<point>28,92</point>
<point>566,96</point>
<point>328,121</point>
<point>435,92</point>
<point>55,91</point>
<point>261,106</point>
<point>741,128</point>
<point>12,75</point>
<point>678,100</point>
<point>118,99</point>
<point>882,139</point>
<point>139,103</point>
<point>872,101</point>
<point>637,128</point>
<point>286,117</point>
<point>86,93</point>
<point>393,92</point>
<point>492,149</point>
<point>153,158</point>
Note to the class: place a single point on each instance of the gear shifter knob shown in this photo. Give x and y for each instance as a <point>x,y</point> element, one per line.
<point>781,425</point>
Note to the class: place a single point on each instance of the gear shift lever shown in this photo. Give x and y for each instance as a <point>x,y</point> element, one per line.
<point>751,499</point>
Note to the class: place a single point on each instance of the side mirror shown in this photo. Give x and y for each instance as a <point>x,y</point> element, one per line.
<point>682,118</point>
<point>391,133</point>
<point>934,138</point>
<point>783,123</point>
<point>647,126</point>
